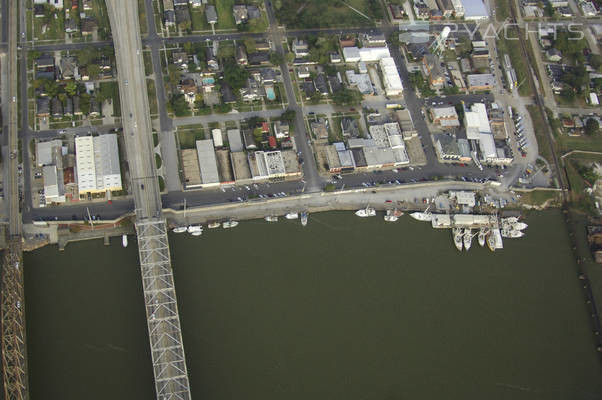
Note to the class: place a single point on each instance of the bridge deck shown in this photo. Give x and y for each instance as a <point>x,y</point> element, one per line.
<point>167,349</point>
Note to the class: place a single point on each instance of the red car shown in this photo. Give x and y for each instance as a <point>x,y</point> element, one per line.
<point>388,201</point>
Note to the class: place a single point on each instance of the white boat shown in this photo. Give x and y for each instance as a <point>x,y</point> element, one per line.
<point>467,238</point>
<point>304,218</point>
<point>422,216</point>
<point>179,229</point>
<point>291,215</point>
<point>482,236</point>
<point>457,235</point>
<point>230,224</point>
<point>512,234</point>
<point>393,215</point>
<point>519,226</point>
<point>271,218</point>
<point>124,240</point>
<point>195,228</point>
<point>366,212</point>
<point>491,241</point>
<point>213,225</point>
<point>510,220</point>
<point>196,233</point>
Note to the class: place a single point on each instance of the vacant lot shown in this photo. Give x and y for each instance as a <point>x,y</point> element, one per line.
<point>320,13</point>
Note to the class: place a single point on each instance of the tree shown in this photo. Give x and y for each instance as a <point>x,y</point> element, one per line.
<point>84,103</point>
<point>223,108</point>
<point>595,61</point>
<point>235,75</point>
<point>71,88</point>
<point>276,58</point>
<point>93,71</point>
<point>52,89</point>
<point>347,97</point>
<point>592,127</point>
<point>179,105</point>
<point>289,115</point>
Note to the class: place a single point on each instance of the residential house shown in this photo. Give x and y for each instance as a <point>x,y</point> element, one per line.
<point>349,128</point>
<point>319,128</point>
<point>436,77</point>
<point>211,14</point>
<point>300,48</point>
<point>335,58</point>
<point>94,107</point>
<point>43,107</point>
<point>87,5</point>
<point>347,41</point>
<point>211,59</point>
<point>56,108</point>
<point>281,130</point>
<point>321,84</point>
<point>89,26</point>
<point>76,108</point>
<point>71,26</point>
<point>259,58</point>
<point>251,92</point>
<point>180,59</point>
<point>334,82</point>
<point>228,96</point>
<point>446,7</point>
<point>308,88</point>
<point>68,67</point>
<point>554,55</point>
<point>68,108</point>
<point>249,139</point>
<point>303,72</point>
<point>253,12</point>
<point>374,40</point>
<point>241,54</point>
<point>182,15</point>
<point>240,13</point>
<point>262,45</point>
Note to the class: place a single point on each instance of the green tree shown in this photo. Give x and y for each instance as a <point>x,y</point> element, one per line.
<point>592,127</point>
<point>93,71</point>
<point>276,58</point>
<point>84,103</point>
<point>347,97</point>
<point>52,89</point>
<point>179,105</point>
<point>235,75</point>
<point>289,115</point>
<point>71,88</point>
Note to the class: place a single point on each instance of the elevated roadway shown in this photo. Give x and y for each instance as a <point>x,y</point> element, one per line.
<point>167,349</point>
<point>14,351</point>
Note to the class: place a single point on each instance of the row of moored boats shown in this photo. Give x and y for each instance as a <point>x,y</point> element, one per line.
<point>197,230</point>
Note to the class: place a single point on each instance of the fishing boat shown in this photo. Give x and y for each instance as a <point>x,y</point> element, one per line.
<point>510,220</point>
<point>124,240</point>
<point>291,215</point>
<point>213,225</point>
<point>519,226</point>
<point>230,224</point>
<point>366,212</point>
<point>457,234</point>
<point>196,233</point>
<point>194,228</point>
<point>467,238</point>
<point>491,241</point>
<point>393,215</point>
<point>512,233</point>
<point>271,218</point>
<point>181,229</point>
<point>304,218</point>
<point>422,216</point>
<point>482,236</point>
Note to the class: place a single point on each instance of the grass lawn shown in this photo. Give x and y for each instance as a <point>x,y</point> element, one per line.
<point>55,28</point>
<point>502,9</point>
<point>586,143</point>
<point>225,19</point>
<point>513,49</point>
<point>320,13</point>
<point>188,137</point>
<point>538,197</point>
<point>148,63</point>
<point>199,21</point>
<point>539,124</point>
<point>152,96</point>
<point>142,17</point>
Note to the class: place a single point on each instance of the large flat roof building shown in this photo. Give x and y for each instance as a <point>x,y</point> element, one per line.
<point>207,162</point>
<point>97,159</point>
<point>391,78</point>
<point>475,10</point>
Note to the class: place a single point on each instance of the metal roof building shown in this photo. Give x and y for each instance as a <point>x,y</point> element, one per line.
<point>97,160</point>
<point>391,78</point>
<point>235,140</point>
<point>475,10</point>
<point>207,162</point>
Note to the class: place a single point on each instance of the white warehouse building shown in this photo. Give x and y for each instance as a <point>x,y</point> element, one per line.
<point>97,161</point>
<point>391,78</point>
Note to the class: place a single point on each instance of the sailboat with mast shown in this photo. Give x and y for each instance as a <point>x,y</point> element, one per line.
<point>181,229</point>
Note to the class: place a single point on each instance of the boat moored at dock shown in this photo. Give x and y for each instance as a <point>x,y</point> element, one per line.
<point>366,212</point>
<point>482,236</point>
<point>304,218</point>
<point>194,228</point>
<point>271,218</point>
<point>457,234</point>
<point>393,215</point>
<point>467,238</point>
<point>213,225</point>
<point>291,215</point>
<point>124,240</point>
<point>179,229</point>
<point>230,224</point>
